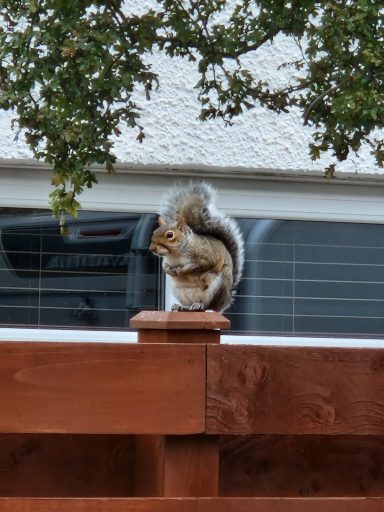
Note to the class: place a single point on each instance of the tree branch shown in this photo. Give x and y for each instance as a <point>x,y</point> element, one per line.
<point>317,100</point>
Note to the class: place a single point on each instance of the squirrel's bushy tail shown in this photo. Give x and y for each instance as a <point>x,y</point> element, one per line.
<point>196,204</point>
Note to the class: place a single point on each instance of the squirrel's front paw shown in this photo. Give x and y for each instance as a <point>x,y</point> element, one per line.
<point>168,269</point>
<point>196,306</point>
<point>173,271</point>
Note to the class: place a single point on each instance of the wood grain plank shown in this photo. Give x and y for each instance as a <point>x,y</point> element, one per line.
<point>178,336</point>
<point>179,320</point>
<point>66,465</point>
<point>191,466</point>
<point>102,388</point>
<point>260,465</point>
<point>301,466</point>
<point>292,390</point>
<point>195,505</point>
<point>177,466</point>
<point>149,466</point>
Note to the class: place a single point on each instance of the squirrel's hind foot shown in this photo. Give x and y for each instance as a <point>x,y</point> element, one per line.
<point>196,306</point>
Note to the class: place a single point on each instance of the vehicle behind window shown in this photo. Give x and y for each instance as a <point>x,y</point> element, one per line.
<point>97,276</point>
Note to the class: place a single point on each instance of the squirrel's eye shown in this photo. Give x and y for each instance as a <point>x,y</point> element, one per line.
<point>169,235</point>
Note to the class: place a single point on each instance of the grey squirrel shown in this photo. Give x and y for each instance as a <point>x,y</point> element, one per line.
<point>202,249</point>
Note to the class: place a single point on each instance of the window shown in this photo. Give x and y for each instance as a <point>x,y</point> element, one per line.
<point>302,278</point>
<point>97,276</point>
<point>311,278</point>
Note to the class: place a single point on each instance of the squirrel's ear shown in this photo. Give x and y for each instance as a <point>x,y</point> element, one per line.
<point>161,221</point>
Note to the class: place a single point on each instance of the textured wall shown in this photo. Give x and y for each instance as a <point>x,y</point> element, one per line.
<point>174,136</point>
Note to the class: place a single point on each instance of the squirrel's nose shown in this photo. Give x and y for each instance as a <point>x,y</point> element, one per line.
<point>152,247</point>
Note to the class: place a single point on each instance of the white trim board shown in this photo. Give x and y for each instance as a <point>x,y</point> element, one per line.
<point>81,336</point>
<point>256,197</point>
<point>67,335</point>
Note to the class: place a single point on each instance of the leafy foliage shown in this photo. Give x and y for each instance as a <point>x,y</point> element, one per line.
<point>69,68</point>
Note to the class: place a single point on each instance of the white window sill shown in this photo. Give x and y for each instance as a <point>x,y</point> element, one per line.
<point>79,336</point>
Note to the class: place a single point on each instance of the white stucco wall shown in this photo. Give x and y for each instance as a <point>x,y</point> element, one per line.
<point>259,138</point>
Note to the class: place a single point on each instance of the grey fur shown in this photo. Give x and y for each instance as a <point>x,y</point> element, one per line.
<point>196,204</point>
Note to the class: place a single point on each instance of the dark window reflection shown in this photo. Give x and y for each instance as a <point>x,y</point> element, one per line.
<point>97,276</point>
<point>311,278</point>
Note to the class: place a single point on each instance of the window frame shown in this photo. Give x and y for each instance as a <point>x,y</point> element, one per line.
<point>242,193</point>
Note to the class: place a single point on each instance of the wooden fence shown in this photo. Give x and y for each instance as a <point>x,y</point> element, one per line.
<point>180,423</point>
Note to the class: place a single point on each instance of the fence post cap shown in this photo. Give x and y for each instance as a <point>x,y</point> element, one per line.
<point>207,320</point>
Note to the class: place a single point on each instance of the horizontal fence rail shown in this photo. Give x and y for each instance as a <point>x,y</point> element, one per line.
<point>195,505</point>
<point>189,389</point>
<point>72,465</point>
<point>102,388</point>
<point>290,390</point>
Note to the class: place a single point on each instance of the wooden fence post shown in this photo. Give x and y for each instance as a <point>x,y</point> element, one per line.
<point>177,465</point>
